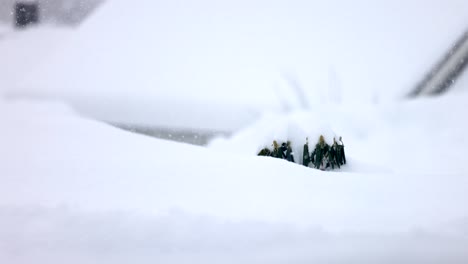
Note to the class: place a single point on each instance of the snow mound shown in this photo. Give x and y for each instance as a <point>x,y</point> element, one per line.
<point>23,108</point>
<point>23,52</point>
<point>282,128</point>
<point>208,54</point>
<point>81,191</point>
<point>63,234</point>
<point>393,137</point>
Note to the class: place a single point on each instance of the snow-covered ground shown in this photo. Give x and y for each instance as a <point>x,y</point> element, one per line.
<point>395,132</point>
<point>184,64</point>
<point>77,190</point>
<point>24,51</point>
<point>4,28</point>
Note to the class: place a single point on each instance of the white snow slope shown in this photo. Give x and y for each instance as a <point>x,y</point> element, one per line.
<point>78,191</point>
<point>26,51</point>
<point>408,136</point>
<point>174,63</point>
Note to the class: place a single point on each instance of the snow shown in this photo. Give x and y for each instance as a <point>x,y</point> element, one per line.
<point>282,128</point>
<point>177,62</point>
<point>77,190</point>
<point>27,50</point>
<point>430,128</point>
<point>4,28</point>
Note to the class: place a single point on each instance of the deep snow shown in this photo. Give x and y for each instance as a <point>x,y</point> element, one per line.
<point>80,191</point>
<point>174,64</point>
<point>76,190</point>
<point>422,136</point>
<point>24,51</point>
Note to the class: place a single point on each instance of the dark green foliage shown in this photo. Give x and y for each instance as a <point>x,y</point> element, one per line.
<point>340,153</point>
<point>283,150</point>
<point>321,153</point>
<point>277,153</point>
<point>318,155</point>
<point>264,152</point>
<point>306,155</point>
<point>289,152</point>
<point>312,157</point>
<point>333,157</point>
<point>323,157</point>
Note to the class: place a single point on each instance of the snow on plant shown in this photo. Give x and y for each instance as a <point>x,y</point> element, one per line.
<point>294,128</point>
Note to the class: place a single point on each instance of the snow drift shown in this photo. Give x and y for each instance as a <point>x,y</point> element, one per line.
<point>129,59</point>
<point>78,190</point>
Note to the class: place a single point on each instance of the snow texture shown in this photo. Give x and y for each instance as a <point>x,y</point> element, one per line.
<point>80,191</point>
<point>75,190</point>
<point>172,64</point>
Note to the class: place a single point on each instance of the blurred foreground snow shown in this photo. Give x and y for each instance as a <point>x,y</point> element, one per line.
<point>76,190</point>
<point>80,191</point>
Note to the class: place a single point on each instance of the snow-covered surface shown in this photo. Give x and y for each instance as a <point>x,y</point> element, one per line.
<point>4,28</point>
<point>74,190</point>
<point>389,134</point>
<point>22,51</point>
<point>169,63</point>
<point>78,191</point>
